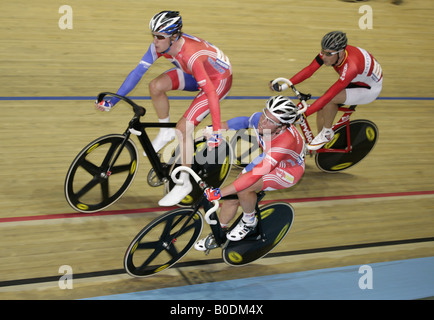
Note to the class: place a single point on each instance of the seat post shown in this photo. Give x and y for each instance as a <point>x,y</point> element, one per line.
<point>260,196</point>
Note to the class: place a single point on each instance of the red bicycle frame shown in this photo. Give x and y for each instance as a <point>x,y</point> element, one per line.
<point>343,121</point>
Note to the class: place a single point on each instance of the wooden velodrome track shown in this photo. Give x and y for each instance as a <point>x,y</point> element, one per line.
<point>387,198</point>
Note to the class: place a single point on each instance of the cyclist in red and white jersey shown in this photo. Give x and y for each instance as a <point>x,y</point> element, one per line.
<point>199,66</point>
<point>360,82</point>
<point>280,166</point>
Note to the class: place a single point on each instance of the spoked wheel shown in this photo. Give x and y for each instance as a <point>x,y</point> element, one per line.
<point>101,173</point>
<point>364,135</point>
<point>277,219</point>
<point>163,242</point>
<point>213,166</point>
<point>245,147</point>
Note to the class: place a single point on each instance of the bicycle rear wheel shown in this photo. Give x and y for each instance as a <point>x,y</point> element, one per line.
<point>213,166</point>
<point>163,242</point>
<point>364,136</point>
<point>276,221</point>
<point>101,173</point>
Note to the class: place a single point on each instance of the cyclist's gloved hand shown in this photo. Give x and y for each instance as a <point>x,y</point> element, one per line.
<point>207,132</point>
<point>103,105</point>
<point>275,87</point>
<point>212,194</point>
<point>215,140</point>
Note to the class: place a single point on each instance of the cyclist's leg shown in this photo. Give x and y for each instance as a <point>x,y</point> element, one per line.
<point>246,199</point>
<point>157,90</point>
<point>197,111</point>
<point>173,79</point>
<point>361,95</point>
<point>324,121</point>
<point>330,110</point>
<point>229,210</point>
<point>283,178</point>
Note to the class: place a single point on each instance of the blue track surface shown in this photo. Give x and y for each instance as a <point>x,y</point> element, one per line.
<point>403,280</point>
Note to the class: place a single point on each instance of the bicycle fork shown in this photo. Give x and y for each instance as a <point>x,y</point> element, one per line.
<point>106,173</point>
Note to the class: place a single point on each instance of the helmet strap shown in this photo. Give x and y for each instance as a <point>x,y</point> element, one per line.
<point>171,42</point>
<point>337,59</point>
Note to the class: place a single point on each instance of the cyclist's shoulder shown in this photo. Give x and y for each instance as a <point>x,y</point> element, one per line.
<point>355,55</point>
<point>290,137</point>
<point>254,119</point>
<point>193,44</point>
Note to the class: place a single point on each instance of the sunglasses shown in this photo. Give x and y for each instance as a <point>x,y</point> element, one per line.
<point>271,120</point>
<point>329,54</point>
<point>160,36</point>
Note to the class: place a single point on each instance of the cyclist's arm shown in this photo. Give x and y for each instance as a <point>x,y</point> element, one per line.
<point>238,123</point>
<point>337,87</point>
<point>134,77</point>
<point>262,165</point>
<point>246,179</point>
<point>308,71</point>
<point>205,83</point>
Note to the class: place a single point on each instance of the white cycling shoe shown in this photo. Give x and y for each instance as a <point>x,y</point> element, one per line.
<point>325,136</point>
<point>178,192</point>
<point>241,230</point>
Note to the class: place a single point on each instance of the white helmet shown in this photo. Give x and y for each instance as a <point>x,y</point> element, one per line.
<point>283,109</point>
<point>168,22</point>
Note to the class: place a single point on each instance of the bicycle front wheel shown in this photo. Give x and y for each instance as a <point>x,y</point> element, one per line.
<point>163,242</point>
<point>364,136</point>
<point>101,173</point>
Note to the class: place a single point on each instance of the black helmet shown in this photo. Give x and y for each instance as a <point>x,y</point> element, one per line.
<point>335,40</point>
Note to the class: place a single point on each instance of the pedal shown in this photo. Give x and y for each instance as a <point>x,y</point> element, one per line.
<point>210,243</point>
<point>153,179</point>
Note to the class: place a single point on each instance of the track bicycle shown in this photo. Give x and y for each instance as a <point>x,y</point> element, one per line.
<point>165,240</point>
<point>103,170</point>
<point>352,142</point>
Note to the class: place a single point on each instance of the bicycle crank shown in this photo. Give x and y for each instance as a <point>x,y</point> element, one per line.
<point>153,179</point>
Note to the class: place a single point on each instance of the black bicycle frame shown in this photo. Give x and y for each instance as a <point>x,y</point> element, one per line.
<point>160,169</point>
<point>217,230</point>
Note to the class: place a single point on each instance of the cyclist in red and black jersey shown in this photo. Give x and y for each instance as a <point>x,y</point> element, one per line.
<point>360,82</point>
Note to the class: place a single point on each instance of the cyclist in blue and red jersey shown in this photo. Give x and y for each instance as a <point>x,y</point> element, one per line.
<point>199,66</point>
<point>280,166</point>
<point>360,82</point>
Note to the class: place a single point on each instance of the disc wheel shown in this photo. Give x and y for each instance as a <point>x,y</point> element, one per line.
<point>276,221</point>
<point>364,136</point>
<point>101,173</point>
